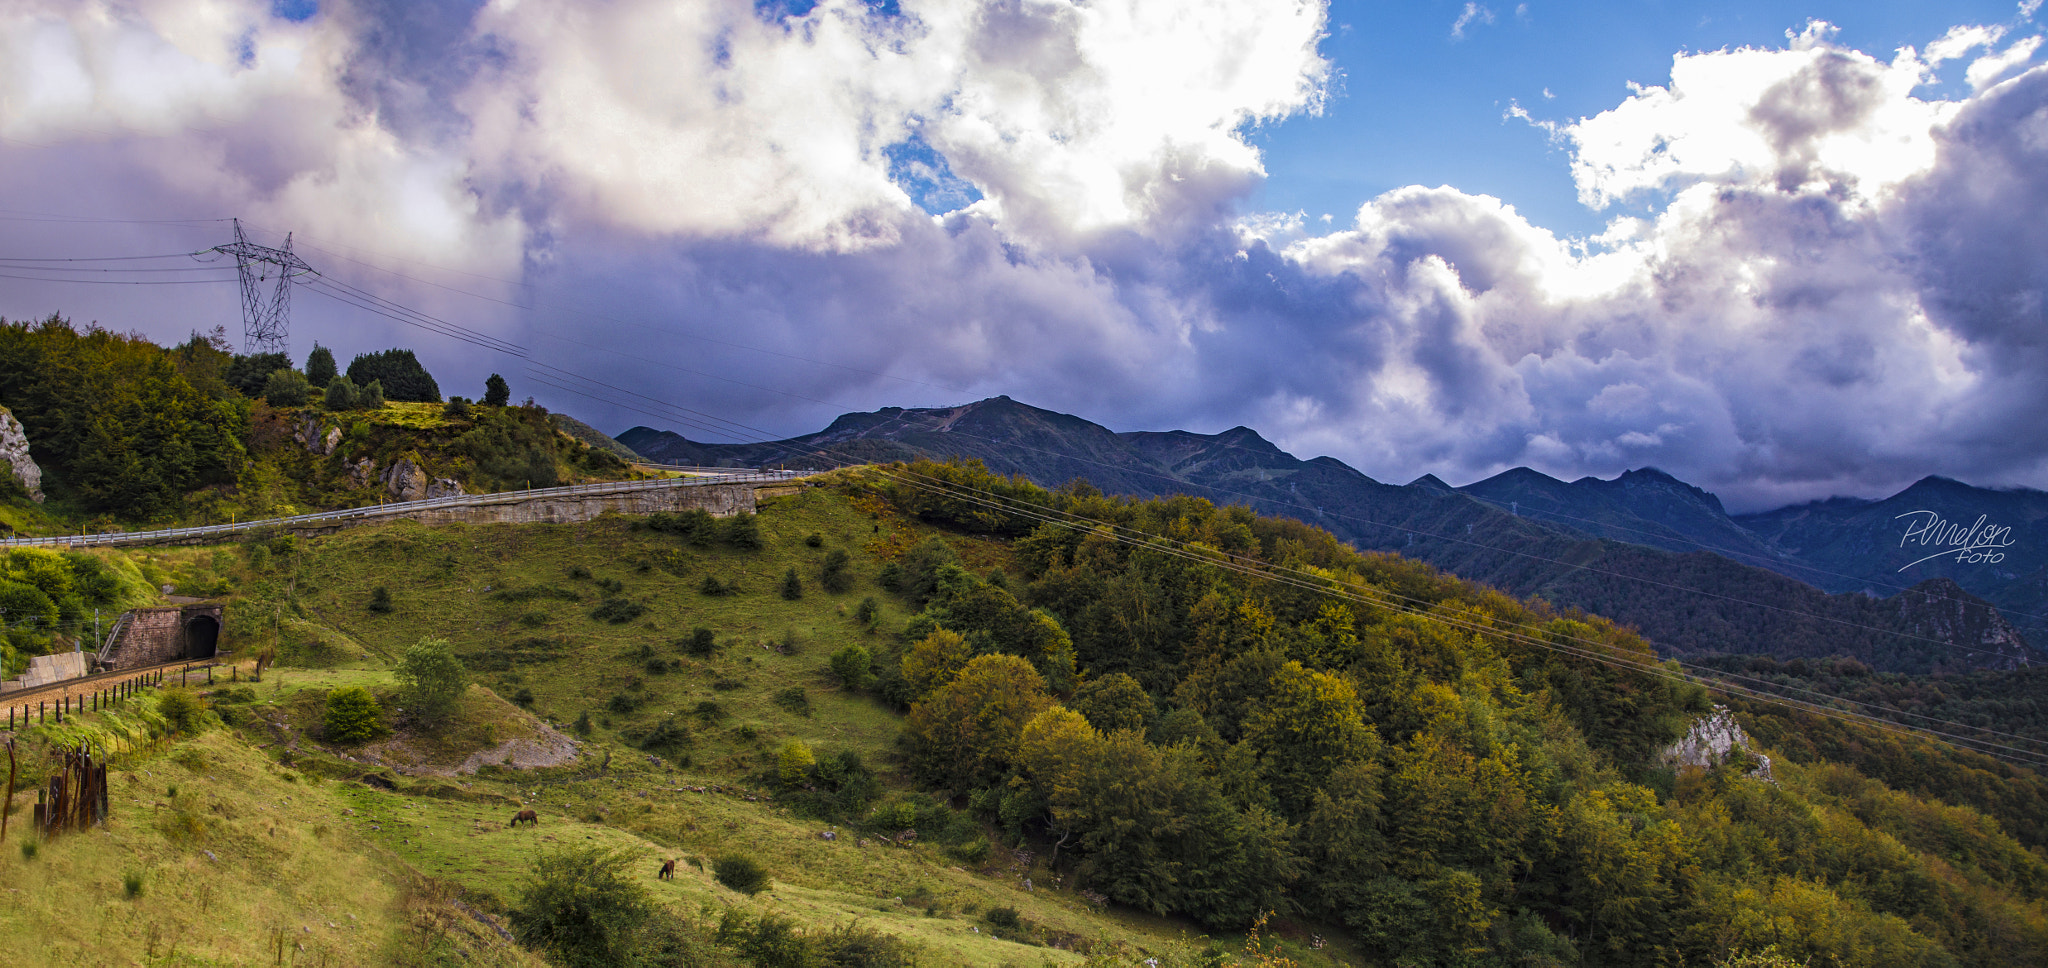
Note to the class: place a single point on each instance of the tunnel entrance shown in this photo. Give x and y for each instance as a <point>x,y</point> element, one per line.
<point>202,637</point>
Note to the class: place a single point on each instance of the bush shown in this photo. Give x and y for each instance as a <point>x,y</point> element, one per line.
<point>712,586</point>
<point>868,611</point>
<point>523,697</point>
<point>854,666</point>
<point>792,586</point>
<point>352,716</point>
<point>582,907</point>
<point>131,884</point>
<point>743,531</point>
<point>833,575</point>
<point>380,600</point>
<point>371,397</point>
<point>741,873</point>
<point>794,699</point>
<point>431,679</point>
<point>701,642</point>
<point>181,710</point>
<point>618,611</point>
<point>398,373</point>
<point>287,388</point>
<point>1001,917</point>
<point>582,724</point>
<point>814,540</point>
<point>250,373</point>
<point>457,408</point>
<point>340,394</point>
<point>668,736</point>
<point>793,764</point>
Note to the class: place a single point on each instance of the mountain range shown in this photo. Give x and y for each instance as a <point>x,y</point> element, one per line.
<point>1645,549</point>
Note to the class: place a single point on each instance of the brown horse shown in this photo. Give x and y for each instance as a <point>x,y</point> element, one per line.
<point>668,870</point>
<point>526,817</point>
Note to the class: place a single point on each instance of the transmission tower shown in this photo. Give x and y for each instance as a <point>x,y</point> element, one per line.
<point>267,276</point>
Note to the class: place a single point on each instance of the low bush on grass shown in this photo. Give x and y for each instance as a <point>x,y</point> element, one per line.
<point>583,909</point>
<point>352,717</point>
<point>618,611</point>
<point>741,873</point>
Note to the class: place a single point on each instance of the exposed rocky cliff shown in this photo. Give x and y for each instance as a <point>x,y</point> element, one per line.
<point>1711,741</point>
<point>14,450</point>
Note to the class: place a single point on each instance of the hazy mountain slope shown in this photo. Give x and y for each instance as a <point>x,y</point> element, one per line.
<point>1644,506</point>
<point>1845,544</point>
<point>1750,610</point>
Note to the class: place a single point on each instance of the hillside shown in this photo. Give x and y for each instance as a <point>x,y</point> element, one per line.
<point>1409,787</point>
<point>1748,609</point>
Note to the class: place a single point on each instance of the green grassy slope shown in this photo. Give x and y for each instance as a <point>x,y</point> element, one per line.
<point>417,864</point>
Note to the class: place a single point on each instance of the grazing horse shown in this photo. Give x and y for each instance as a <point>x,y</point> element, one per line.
<point>525,816</point>
<point>668,870</point>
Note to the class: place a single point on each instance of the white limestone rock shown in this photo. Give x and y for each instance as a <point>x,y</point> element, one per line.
<point>14,449</point>
<point>1711,740</point>
<point>405,481</point>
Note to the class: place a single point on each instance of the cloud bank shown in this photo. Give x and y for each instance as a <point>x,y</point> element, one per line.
<point>1818,276</point>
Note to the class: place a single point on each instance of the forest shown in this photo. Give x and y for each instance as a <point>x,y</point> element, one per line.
<point>1415,757</point>
<point>130,433</point>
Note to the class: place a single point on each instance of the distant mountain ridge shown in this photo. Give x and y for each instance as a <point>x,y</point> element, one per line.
<point>1627,549</point>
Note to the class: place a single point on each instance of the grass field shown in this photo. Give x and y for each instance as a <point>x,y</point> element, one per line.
<point>304,835</point>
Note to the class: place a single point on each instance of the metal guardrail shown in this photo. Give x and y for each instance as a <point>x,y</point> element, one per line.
<point>397,509</point>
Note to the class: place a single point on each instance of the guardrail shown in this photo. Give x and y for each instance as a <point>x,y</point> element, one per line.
<point>399,508</point>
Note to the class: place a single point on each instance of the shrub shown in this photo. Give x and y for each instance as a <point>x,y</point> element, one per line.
<point>794,699</point>
<point>582,724</point>
<point>352,716</point>
<point>579,573</point>
<point>712,586</point>
<point>618,611</point>
<point>1001,917</point>
<point>743,531</point>
<point>131,884</point>
<point>582,907</point>
<point>28,849</point>
<point>431,679</point>
<point>793,763</point>
<point>398,373</point>
<point>287,388</point>
<point>700,642</point>
<point>181,710</point>
<point>868,611</point>
<point>741,873</point>
<point>380,600</point>
<point>709,709</point>
<point>833,575</point>
<point>249,373</point>
<point>814,540</point>
<point>523,697</point>
<point>457,408</point>
<point>341,394</point>
<point>667,736</point>
<point>854,666</point>
<point>371,397</point>
<point>792,586</point>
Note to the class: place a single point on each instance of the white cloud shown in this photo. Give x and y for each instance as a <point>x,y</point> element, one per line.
<point>2028,8</point>
<point>1988,69</point>
<point>1473,13</point>
<point>1825,281</point>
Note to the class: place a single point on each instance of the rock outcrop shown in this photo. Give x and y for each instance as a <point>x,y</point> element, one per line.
<point>363,472</point>
<point>316,438</point>
<point>14,450</point>
<point>1712,740</point>
<point>404,480</point>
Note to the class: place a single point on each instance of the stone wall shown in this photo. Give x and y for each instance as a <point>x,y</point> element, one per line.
<point>721,500</point>
<point>156,635</point>
<point>46,669</point>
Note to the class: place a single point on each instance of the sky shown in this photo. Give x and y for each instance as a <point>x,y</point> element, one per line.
<point>1783,251</point>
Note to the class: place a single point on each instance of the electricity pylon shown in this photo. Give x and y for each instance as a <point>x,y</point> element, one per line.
<point>266,307</point>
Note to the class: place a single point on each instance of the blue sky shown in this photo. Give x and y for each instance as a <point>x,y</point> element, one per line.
<point>1417,105</point>
<point>1791,262</point>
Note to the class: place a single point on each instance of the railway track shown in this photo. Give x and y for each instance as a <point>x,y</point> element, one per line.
<point>58,700</point>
